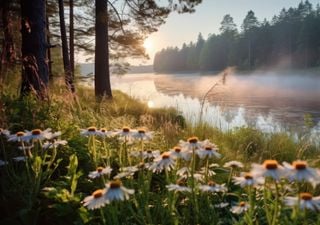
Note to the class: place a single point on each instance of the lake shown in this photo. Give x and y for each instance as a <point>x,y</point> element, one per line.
<point>269,101</point>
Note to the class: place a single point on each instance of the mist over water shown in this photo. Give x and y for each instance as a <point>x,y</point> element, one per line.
<point>271,102</point>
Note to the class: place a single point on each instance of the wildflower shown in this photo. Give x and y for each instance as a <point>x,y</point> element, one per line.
<point>19,136</point>
<point>233,164</point>
<point>90,131</point>
<point>3,163</point>
<point>305,201</point>
<point>213,187</point>
<point>37,134</point>
<point>178,188</point>
<point>210,172</point>
<point>269,168</point>
<point>300,171</point>
<point>208,151</point>
<point>151,154</point>
<point>165,161</point>
<point>191,144</point>
<point>184,172</point>
<point>247,179</point>
<point>99,172</point>
<point>142,134</point>
<point>221,205</point>
<point>20,158</point>
<point>124,133</point>
<point>54,144</point>
<point>240,208</point>
<point>4,132</point>
<point>52,136</point>
<point>127,172</point>
<point>96,200</point>
<point>115,191</point>
<point>177,153</point>
<point>103,132</point>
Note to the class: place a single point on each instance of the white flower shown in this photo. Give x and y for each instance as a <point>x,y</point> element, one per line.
<point>221,205</point>
<point>2,163</point>
<point>125,133</point>
<point>191,144</point>
<point>208,151</point>
<point>96,200</point>
<point>54,144</point>
<point>115,191</point>
<point>184,172</point>
<point>51,136</point>
<point>20,158</point>
<point>210,172</point>
<point>213,187</point>
<point>177,153</point>
<point>269,168</point>
<point>178,188</point>
<point>127,172</point>
<point>37,134</point>
<point>4,132</point>
<point>99,172</point>
<point>19,136</point>
<point>240,208</point>
<point>103,132</point>
<point>300,171</point>
<point>233,164</point>
<point>305,201</point>
<point>165,161</point>
<point>247,179</point>
<point>90,131</point>
<point>142,134</point>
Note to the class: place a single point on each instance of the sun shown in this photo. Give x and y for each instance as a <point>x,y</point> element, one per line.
<point>147,44</point>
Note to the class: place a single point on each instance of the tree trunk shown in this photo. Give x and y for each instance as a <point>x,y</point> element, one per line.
<point>71,39</point>
<point>33,48</point>
<point>49,50</point>
<point>65,50</point>
<point>101,65</point>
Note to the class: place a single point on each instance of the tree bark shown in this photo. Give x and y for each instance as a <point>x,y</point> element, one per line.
<point>65,50</point>
<point>33,48</point>
<point>101,66</point>
<point>71,38</point>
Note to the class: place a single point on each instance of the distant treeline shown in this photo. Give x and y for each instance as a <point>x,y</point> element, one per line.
<point>290,40</point>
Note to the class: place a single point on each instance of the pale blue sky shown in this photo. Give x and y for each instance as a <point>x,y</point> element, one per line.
<point>186,27</point>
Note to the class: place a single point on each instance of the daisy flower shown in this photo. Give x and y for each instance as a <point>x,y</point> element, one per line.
<point>184,172</point>
<point>115,191</point>
<point>20,158</point>
<point>37,134</point>
<point>213,187</point>
<point>164,161</point>
<point>305,201</point>
<point>124,133</point>
<point>151,154</point>
<point>127,172</point>
<point>269,168</point>
<point>52,136</point>
<point>210,172</point>
<point>233,164</point>
<point>96,200</point>
<point>177,153</point>
<point>54,144</point>
<point>191,144</point>
<point>103,132</point>
<point>99,172</point>
<point>19,136</point>
<point>4,132</point>
<point>300,171</point>
<point>240,208</point>
<point>142,134</point>
<point>246,179</point>
<point>178,188</point>
<point>90,131</point>
<point>208,151</point>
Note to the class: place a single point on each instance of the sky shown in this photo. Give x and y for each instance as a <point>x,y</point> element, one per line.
<point>184,28</point>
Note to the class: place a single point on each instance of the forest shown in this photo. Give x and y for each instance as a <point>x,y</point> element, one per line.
<point>290,41</point>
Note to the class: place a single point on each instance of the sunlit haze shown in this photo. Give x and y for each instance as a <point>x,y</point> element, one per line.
<point>185,28</point>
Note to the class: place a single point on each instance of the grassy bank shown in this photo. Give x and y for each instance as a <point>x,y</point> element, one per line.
<point>49,183</point>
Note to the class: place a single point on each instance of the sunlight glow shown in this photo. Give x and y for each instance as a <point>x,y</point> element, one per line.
<point>148,45</point>
<point>150,104</point>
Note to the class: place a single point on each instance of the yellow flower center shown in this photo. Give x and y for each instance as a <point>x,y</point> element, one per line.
<point>36,132</point>
<point>141,131</point>
<point>98,193</point>
<point>211,183</point>
<point>103,130</point>
<point>242,204</point>
<point>208,148</point>
<point>181,182</point>
<point>270,164</point>
<point>99,169</point>
<point>125,129</point>
<point>92,129</point>
<point>177,149</point>
<point>248,176</point>
<point>115,184</point>
<point>20,134</point>
<point>193,140</point>
<point>165,155</point>
<point>149,151</point>
<point>299,165</point>
<point>306,196</point>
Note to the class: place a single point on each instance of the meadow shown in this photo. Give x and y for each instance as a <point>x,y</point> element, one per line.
<point>72,160</point>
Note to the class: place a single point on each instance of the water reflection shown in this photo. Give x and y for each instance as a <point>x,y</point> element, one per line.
<point>269,102</point>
